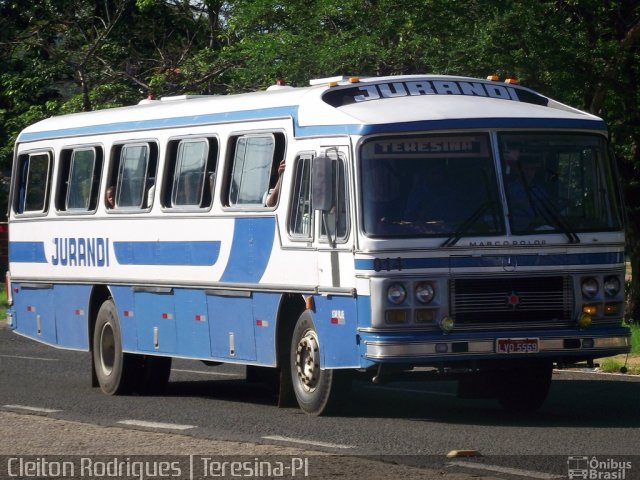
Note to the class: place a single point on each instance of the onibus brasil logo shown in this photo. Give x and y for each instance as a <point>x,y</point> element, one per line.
<point>593,468</point>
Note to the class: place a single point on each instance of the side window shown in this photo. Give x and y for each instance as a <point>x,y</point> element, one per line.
<point>254,173</point>
<point>301,213</point>
<point>337,220</point>
<point>132,176</point>
<point>79,179</point>
<point>191,169</point>
<point>32,192</point>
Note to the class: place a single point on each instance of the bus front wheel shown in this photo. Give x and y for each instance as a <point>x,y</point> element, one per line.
<point>115,370</point>
<point>317,391</point>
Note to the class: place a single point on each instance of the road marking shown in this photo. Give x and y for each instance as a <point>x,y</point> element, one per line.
<point>163,426</point>
<point>32,409</point>
<point>507,470</point>
<point>410,390</point>
<point>30,358</point>
<point>222,374</point>
<point>307,442</point>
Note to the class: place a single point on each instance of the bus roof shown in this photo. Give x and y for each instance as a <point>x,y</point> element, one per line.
<point>354,106</point>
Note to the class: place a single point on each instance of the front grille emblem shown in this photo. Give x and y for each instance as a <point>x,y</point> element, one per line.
<point>513,300</point>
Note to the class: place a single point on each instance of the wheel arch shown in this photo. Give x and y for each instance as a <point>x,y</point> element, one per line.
<point>291,307</point>
<point>99,294</point>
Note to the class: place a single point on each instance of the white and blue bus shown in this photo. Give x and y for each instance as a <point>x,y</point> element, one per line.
<point>410,225</point>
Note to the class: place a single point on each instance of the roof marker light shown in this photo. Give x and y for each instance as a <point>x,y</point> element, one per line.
<point>354,79</point>
<point>511,81</point>
<point>493,78</point>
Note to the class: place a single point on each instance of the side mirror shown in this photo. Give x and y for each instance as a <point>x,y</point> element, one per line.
<point>321,183</point>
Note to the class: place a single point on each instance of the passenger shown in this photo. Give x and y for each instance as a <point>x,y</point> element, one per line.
<point>274,193</point>
<point>110,197</point>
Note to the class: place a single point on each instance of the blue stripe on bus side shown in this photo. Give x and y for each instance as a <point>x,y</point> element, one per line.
<point>251,249</point>
<point>160,123</point>
<point>313,130</point>
<point>197,253</point>
<point>603,258</point>
<point>27,252</point>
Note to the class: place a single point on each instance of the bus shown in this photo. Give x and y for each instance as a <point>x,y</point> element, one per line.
<point>386,228</point>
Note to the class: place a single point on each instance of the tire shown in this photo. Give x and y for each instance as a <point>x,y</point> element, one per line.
<point>524,390</point>
<point>317,391</point>
<point>115,371</point>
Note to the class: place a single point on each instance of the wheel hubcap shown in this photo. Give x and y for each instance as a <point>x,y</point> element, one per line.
<point>107,349</point>
<point>308,360</point>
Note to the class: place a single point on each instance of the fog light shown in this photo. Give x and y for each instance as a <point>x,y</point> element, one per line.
<point>424,315</point>
<point>584,321</point>
<point>590,309</point>
<point>442,348</point>
<point>396,316</point>
<point>447,324</point>
<point>587,343</point>
<point>611,308</point>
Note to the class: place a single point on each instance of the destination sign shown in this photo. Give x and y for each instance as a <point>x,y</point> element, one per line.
<point>365,92</point>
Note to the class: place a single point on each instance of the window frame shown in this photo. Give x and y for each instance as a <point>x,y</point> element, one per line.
<point>278,153</point>
<point>114,175</point>
<point>64,173</point>
<point>303,161</point>
<point>20,183</point>
<point>210,173</point>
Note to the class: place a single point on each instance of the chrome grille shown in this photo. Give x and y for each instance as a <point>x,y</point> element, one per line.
<point>517,302</point>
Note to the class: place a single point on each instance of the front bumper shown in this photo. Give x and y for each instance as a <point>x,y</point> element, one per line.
<point>437,349</point>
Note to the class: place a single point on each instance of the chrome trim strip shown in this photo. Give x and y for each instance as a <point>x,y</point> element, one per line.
<point>386,349</point>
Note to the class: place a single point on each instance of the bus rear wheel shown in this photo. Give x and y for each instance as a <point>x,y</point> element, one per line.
<point>318,391</point>
<point>115,370</point>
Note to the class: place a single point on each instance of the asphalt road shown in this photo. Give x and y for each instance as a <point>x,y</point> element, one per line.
<point>417,424</point>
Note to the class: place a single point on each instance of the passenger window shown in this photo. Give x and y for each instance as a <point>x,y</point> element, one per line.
<point>337,220</point>
<point>191,169</point>
<point>32,192</point>
<point>255,169</point>
<point>134,184</point>
<point>79,179</point>
<point>301,213</point>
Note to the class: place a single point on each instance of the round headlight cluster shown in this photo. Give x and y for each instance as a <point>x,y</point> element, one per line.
<point>396,293</point>
<point>589,288</point>
<point>611,286</point>
<point>425,292</point>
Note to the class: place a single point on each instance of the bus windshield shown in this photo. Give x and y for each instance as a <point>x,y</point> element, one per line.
<point>558,183</point>
<point>430,186</point>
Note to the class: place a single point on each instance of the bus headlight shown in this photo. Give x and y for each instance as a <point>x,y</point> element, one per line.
<point>425,292</point>
<point>611,286</point>
<point>589,288</point>
<point>396,293</point>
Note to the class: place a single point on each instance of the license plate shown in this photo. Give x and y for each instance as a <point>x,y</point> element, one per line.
<point>517,345</point>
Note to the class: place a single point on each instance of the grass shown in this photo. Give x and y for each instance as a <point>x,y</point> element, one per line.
<point>3,303</point>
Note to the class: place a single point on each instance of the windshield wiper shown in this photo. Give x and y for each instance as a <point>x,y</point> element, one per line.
<point>551,216</point>
<point>465,226</point>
